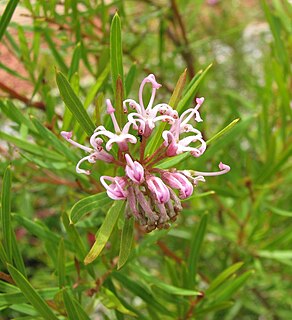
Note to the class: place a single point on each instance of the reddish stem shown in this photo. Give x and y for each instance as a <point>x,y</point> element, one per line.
<point>156,153</point>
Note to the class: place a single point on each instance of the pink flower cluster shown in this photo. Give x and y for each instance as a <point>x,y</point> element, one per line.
<point>149,191</point>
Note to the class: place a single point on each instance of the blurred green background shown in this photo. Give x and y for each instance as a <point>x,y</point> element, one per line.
<point>249,44</point>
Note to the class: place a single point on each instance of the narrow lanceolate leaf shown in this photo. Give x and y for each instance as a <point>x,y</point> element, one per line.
<point>196,244</point>
<point>126,241</point>
<point>16,255</point>
<point>281,212</point>
<point>31,295</point>
<point>5,213</point>
<point>105,231</point>
<point>15,114</point>
<point>213,307</point>
<point>73,308</point>
<point>55,52</point>
<point>94,89</point>
<point>223,131</point>
<point>116,52</point>
<point>164,286</point>
<point>111,301</point>
<point>6,16</point>
<point>199,195</point>
<point>119,101</point>
<point>85,205</point>
<point>138,289</point>
<point>223,276</point>
<point>176,95</point>
<point>61,264</point>
<point>3,255</point>
<point>32,148</point>
<point>235,285</point>
<point>74,104</point>
<point>75,61</point>
<point>189,95</point>
<point>52,140</point>
<point>130,78</point>
<point>277,254</point>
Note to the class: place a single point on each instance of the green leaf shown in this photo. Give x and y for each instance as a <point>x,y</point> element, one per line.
<point>105,231</point>
<point>13,72</point>
<point>280,212</point>
<point>74,104</point>
<point>3,255</point>
<point>126,241</point>
<point>223,276</point>
<point>73,308</point>
<point>30,293</point>
<point>52,140</point>
<point>130,78</point>
<point>75,239</point>
<point>111,301</point>
<point>138,290</point>
<point>41,232</point>
<point>31,148</point>
<point>199,195</point>
<point>94,89</point>
<point>116,52</point>
<point>7,15</point>
<point>16,115</point>
<point>61,63</point>
<point>16,255</point>
<point>235,285</point>
<point>178,90</point>
<point>214,307</point>
<point>195,249</point>
<point>25,52</point>
<point>17,297</point>
<point>61,264</point>
<point>5,214</point>
<point>164,286</point>
<point>88,204</point>
<point>120,115</point>
<point>191,91</point>
<point>276,254</point>
<point>223,131</point>
<point>75,61</point>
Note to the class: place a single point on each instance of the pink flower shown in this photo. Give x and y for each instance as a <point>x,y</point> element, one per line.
<point>117,189</point>
<point>96,153</point>
<point>158,188</point>
<point>121,137</point>
<point>145,118</point>
<point>178,181</point>
<point>172,137</point>
<point>134,170</point>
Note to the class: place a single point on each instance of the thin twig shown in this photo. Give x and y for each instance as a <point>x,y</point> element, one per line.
<point>15,95</point>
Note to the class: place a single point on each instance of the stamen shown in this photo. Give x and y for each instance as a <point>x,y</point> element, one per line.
<point>223,167</point>
<point>68,135</point>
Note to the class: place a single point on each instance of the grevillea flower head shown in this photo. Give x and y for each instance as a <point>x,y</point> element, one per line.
<point>153,196</point>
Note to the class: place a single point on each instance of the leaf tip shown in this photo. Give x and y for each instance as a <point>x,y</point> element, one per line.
<point>87,261</point>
